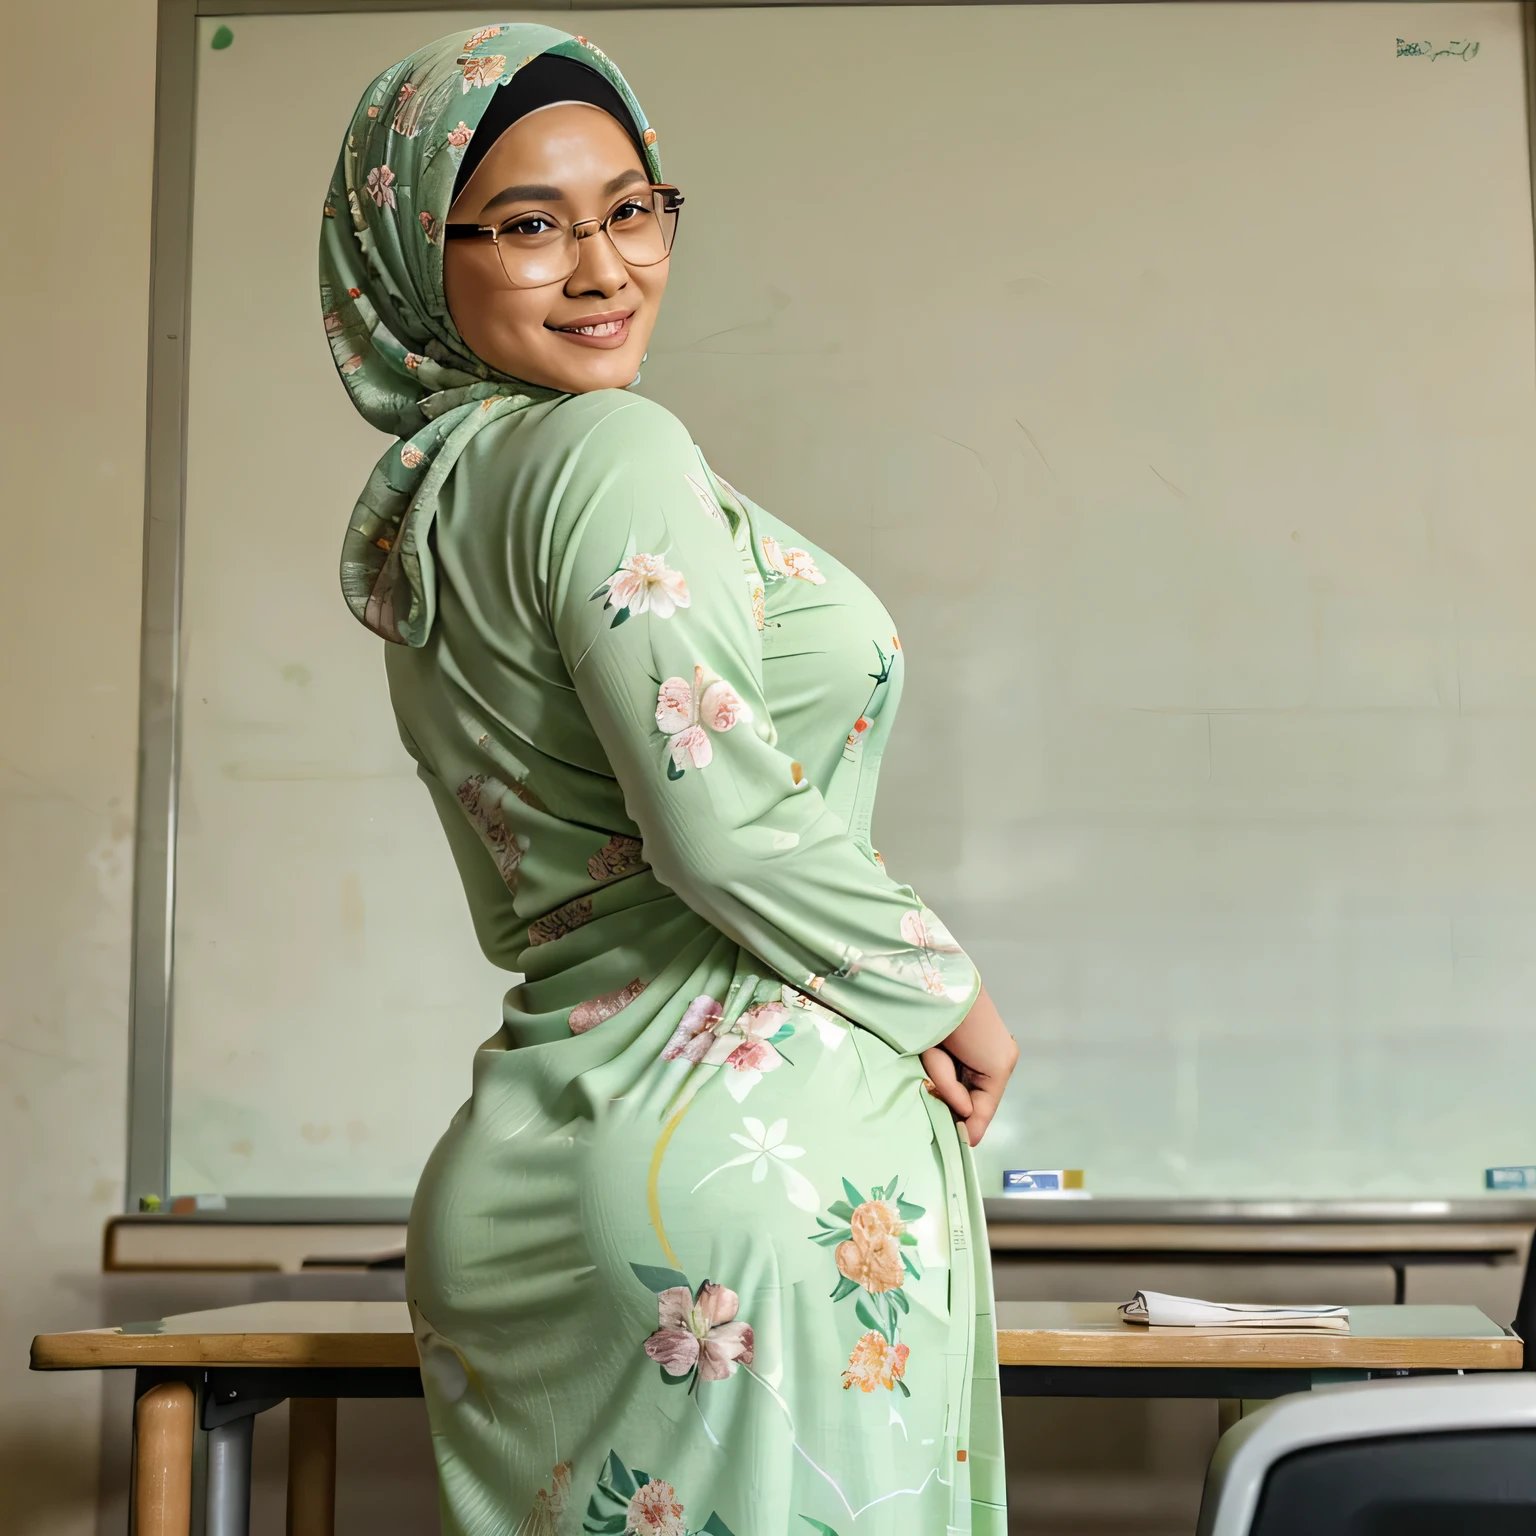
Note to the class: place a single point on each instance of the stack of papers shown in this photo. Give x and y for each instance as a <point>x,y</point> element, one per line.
<point>1162,1311</point>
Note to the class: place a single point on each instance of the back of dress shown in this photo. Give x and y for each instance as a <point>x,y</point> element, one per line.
<point>651,720</point>
<point>622,642</point>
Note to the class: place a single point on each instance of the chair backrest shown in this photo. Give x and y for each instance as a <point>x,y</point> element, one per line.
<point>1467,1482</point>
<point>1429,1456</point>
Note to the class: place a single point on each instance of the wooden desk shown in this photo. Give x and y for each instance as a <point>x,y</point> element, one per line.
<point>210,1373</point>
<point>1086,1349</point>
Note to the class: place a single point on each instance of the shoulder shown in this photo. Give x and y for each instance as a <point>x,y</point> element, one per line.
<point>564,452</point>
<point>629,429</point>
<point>606,424</point>
<point>617,451</point>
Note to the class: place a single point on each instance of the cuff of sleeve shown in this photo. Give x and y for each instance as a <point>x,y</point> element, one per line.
<point>938,1023</point>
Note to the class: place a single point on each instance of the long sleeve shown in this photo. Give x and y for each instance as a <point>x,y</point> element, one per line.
<point>650,597</point>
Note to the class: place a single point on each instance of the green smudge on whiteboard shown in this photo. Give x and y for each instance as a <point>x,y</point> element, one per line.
<point>222,37</point>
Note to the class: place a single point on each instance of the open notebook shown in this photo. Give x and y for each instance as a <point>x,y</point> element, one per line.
<point>1161,1311</point>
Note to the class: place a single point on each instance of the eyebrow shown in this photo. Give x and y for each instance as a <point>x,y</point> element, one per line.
<point>532,192</point>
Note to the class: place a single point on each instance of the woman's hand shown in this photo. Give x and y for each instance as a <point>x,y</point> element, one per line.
<point>970,1068</point>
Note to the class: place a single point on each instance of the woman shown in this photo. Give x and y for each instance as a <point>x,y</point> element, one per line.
<point>704,1251</point>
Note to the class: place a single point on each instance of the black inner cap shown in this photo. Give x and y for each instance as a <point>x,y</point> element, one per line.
<point>547,79</point>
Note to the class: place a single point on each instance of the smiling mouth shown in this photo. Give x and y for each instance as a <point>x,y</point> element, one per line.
<point>598,325</point>
<point>607,328</point>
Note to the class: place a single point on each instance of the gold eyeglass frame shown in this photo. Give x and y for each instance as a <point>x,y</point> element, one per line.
<point>667,197</point>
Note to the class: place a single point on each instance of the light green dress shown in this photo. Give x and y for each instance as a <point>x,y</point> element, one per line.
<point>701,1254</point>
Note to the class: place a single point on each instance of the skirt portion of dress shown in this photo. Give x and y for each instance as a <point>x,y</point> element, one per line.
<point>713,1268</point>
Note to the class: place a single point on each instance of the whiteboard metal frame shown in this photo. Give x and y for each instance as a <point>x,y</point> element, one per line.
<point>154,888</point>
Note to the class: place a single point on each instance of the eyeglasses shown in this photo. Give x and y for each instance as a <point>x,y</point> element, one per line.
<point>536,249</point>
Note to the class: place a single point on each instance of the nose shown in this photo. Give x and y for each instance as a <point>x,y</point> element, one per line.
<point>599,267</point>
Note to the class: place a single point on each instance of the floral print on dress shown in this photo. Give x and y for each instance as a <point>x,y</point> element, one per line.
<point>654,1511</point>
<point>483,799</point>
<point>380,186</point>
<point>695,1033</point>
<point>460,136</point>
<point>872,1247</point>
<point>828,1027</point>
<point>563,920</point>
<point>686,714</point>
<point>931,939</point>
<point>866,717</point>
<point>793,561</point>
<point>407,120</point>
<point>598,1010</point>
<point>643,584</point>
<point>766,1145</point>
<point>629,1502</point>
<point>411,456</point>
<point>543,1517</point>
<point>618,857</point>
<point>875,1362</point>
<point>706,501</point>
<point>871,1255</point>
<point>749,1044</point>
<point>429,226</point>
<point>482,71</point>
<point>697,1334</point>
<point>761,1028</point>
<point>484,34</point>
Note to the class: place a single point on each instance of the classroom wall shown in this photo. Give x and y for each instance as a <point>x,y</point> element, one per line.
<point>70,530</point>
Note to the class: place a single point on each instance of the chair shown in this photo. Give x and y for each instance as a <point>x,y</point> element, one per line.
<point>1427,1456</point>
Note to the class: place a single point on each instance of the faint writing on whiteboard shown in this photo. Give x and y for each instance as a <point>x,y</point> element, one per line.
<point>1462,51</point>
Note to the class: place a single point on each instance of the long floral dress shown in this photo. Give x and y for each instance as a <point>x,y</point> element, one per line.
<point>701,1254</point>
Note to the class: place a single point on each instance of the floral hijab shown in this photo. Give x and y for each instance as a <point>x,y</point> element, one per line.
<point>395,346</point>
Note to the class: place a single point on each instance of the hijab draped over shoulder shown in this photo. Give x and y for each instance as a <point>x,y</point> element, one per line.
<point>404,364</point>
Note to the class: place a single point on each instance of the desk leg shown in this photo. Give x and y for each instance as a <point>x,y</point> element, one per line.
<point>163,1424</point>
<point>1229,1410</point>
<point>229,1477</point>
<point>311,1466</point>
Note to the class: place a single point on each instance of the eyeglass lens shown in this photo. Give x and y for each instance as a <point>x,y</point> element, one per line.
<point>536,248</point>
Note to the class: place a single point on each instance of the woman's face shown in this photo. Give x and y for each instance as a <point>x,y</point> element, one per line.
<point>569,162</point>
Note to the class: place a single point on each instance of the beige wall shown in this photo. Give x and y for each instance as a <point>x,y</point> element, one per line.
<point>80,97</point>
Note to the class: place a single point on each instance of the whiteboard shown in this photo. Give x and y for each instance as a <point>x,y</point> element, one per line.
<point>1192,443</point>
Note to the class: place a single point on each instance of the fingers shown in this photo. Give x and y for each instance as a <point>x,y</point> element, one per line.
<point>984,1102</point>
<point>945,1082</point>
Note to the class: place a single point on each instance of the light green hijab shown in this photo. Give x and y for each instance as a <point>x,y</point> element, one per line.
<point>396,348</point>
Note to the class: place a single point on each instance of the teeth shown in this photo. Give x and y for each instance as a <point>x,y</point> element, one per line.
<point>607,328</point>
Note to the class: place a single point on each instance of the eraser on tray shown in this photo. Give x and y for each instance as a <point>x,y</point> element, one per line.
<point>1509,1178</point>
<point>1042,1179</point>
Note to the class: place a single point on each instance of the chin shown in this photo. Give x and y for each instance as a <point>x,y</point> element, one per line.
<point>609,373</point>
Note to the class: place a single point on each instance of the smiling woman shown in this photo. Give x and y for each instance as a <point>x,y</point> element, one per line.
<point>643,708</point>
<point>558,241</point>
